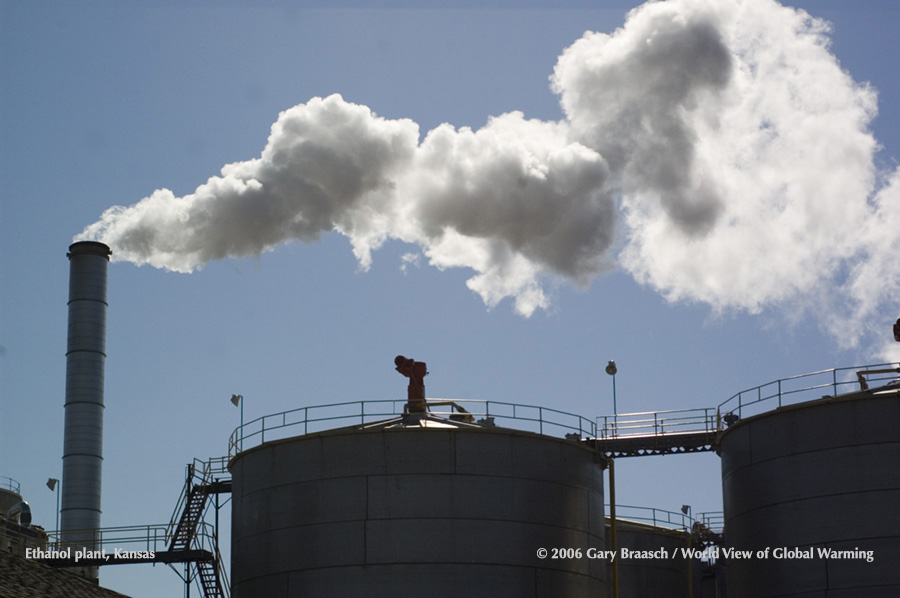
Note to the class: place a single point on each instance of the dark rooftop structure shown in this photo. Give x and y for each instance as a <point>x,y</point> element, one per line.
<point>26,578</point>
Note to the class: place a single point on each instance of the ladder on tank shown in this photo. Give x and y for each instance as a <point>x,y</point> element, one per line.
<point>188,515</point>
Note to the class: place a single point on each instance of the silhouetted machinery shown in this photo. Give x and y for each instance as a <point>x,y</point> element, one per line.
<point>416,372</point>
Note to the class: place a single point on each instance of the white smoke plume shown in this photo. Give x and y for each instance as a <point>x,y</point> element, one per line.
<point>511,200</point>
<point>724,134</point>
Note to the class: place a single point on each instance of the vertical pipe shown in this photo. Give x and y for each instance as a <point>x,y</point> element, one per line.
<point>85,360</point>
<point>690,566</point>
<point>57,518</point>
<point>615,409</point>
<point>614,545</point>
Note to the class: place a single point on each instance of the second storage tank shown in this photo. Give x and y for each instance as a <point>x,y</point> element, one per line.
<point>812,490</point>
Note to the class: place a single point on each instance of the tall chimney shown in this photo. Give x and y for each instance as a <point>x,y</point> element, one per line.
<point>85,360</point>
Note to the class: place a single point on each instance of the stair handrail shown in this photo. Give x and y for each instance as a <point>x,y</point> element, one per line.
<point>198,476</point>
<point>198,470</point>
<point>206,541</point>
<point>176,513</point>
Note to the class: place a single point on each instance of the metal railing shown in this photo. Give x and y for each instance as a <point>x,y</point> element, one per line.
<point>657,423</point>
<point>714,521</point>
<point>206,540</point>
<point>305,420</point>
<point>805,387</point>
<point>794,389</point>
<point>705,528</point>
<point>753,401</point>
<point>152,536</point>
<point>10,484</point>
<point>199,472</point>
<point>655,517</point>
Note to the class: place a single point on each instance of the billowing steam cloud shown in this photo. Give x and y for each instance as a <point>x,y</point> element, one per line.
<point>738,151</point>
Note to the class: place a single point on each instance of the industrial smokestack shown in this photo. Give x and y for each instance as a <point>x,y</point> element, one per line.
<point>85,360</point>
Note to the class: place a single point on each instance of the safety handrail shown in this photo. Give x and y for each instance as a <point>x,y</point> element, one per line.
<point>712,520</point>
<point>8,483</point>
<point>706,527</point>
<point>653,516</point>
<point>207,541</point>
<point>153,536</point>
<point>305,420</point>
<point>796,389</point>
<point>778,393</point>
<point>199,472</point>
<point>657,423</point>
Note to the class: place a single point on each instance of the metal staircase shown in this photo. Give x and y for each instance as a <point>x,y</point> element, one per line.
<point>182,533</point>
<point>187,538</point>
<point>194,504</point>
<point>209,578</point>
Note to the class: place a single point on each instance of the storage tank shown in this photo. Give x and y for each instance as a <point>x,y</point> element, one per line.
<point>17,533</point>
<point>815,487</point>
<point>658,567</point>
<point>425,507</point>
<point>9,493</point>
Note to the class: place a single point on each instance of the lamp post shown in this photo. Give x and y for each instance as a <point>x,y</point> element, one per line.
<point>238,401</point>
<point>52,483</point>
<point>611,370</point>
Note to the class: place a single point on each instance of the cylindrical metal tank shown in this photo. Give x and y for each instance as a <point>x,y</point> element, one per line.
<point>9,495</point>
<point>436,512</point>
<point>663,575</point>
<point>85,360</point>
<point>815,487</point>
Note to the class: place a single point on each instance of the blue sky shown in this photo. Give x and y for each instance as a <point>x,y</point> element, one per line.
<point>103,103</point>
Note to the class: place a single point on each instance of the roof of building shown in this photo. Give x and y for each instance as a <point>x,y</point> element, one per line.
<point>24,578</point>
